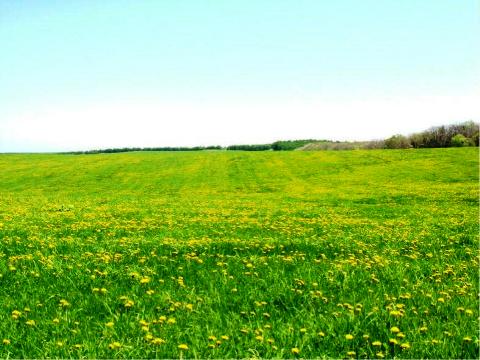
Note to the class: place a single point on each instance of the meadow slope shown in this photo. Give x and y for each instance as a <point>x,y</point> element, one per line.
<point>240,254</point>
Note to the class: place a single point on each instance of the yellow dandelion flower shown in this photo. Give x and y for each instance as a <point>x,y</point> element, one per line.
<point>467,339</point>
<point>349,337</point>
<point>158,341</point>
<point>405,346</point>
<point>321,333</point>
<point>114,345</point>
<point>295,351</point>
<point>259,337</point>
<point>110,324</point>
<point>377,343</point>
<point>30,322</point>
<point>145,280</point>
<point>394,329</point>
<point>6,342</point>
<point>351,353</point>
<point>380,355</point>
<point>303,330</point>
<point>16,314</point>
<point>224,337</point>
<point>59,343</point>
<point>212,338</point>
<point>393,341</point>
<point>64,303</point>
<point>423,329</point>
<point>468,312</point>
<point>171,321</point>
<point>183,347</point>
<point>56,320</point>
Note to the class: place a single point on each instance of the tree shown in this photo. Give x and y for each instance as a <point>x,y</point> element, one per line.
<point>459,141</point>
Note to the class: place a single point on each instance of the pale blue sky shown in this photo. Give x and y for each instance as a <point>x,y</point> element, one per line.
<point>83,74</point>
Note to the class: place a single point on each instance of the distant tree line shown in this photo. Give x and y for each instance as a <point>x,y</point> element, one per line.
<point>164,148</point>
<point>464,134</point>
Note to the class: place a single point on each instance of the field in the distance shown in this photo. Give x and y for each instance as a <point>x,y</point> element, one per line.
<point>239,254</point>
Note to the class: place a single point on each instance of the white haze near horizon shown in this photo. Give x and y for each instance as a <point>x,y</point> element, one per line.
<point>135,123</point>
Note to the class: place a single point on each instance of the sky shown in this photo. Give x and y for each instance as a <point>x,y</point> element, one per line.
<point>79,75</point>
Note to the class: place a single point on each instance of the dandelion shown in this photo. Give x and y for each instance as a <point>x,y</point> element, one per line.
<point>349,337</point>
<point>295,351</point>
<point>224,337</point>
<point>467,339</point>
<point>64,303</point>
<point>157,341</point>
<point>16,314</point>
<point>380,355</point>
<point>405,346</point>
<point>6,342</point>
<point>351,353</point>
<point>171,321</point>
<point>393,341</point>
<point>394,329</point>
<point>110,324</point>
<point>259,337</point>
<point>183,347</point>
<point>321,333</point>
<point>377,343</point>
<point>114,345</point>
<point>30,322</point>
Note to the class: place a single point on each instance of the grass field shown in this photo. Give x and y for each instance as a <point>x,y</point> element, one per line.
<point>367,254</point>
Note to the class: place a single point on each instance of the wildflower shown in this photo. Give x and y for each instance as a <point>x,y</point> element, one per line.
<point>259,337</point>
<point>114,345</point>
<point>110,324</point>
<point>59,343</point>
<point>377,343</point>
<point>158,341</point>
<point>224,337</point>
<point>6,342</point>
<point>150,292</point>
<point>468,312</point>
<point>295,351</point>
<point>303,330</point>
<point>64,303</point>
<point>394,329</point>
<point>183,347</point>
<point>467,339</point>
<point>405,346</point>
<point>145,280</point>
<point>393,341</point>
<point>351,353</point>
<point>321,333</point>
<point>212,338</point>
<point>30,322</point>
<point>171,321</point>
<point>423,329</point>
<point>349,337</point>
<point>380,355</point>
<point>16,314</point>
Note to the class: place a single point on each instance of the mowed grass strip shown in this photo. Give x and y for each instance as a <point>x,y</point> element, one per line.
<point>362,254</point>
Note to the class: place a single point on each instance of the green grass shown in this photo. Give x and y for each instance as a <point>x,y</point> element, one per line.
<point>272,250</point>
